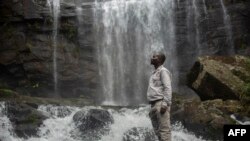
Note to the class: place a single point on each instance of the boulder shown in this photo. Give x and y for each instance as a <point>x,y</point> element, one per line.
<point>139,134</point>
<point>221,77</point>
<point>25,119</point>
<point>93,123</point>
<point>206,118</point>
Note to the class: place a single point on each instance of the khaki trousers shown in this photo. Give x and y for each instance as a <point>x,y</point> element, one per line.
<point>160,122</point>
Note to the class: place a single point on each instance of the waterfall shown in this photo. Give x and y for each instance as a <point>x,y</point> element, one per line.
<point>197,31</point>
<point>227,23</point>
<point>54,6</point>
<point>60,126</point>
<point>79,16</point>
<point>204,6</point>
<point>127,33</point>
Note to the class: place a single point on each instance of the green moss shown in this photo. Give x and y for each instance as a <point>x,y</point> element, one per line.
<point>34,26</point>
<point>35,85</point>
<point>247,64</point>
<point>6,93</point>
<point>246,89</point>
<point>241,75</point>
<point>48,21</point>
<point>32,118</point>
<point>69,30</point>
<point>29,45</point>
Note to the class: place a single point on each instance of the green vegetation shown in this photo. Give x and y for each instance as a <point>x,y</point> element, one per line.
<point>35,85</point>
<point>246,89</point>
<point>247,64</point>
<point>29,45</point>
<point>69,30</point>
<point>35,26</point>
<point>4,93</point>
<point>32,118</point>
<point>241,75</point>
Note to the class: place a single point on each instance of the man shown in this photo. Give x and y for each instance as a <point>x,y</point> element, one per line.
<point>159,95</point>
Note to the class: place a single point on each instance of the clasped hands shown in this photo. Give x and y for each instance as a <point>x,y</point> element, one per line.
<point>163,108</point>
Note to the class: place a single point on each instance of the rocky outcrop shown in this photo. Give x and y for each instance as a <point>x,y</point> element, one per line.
<point>215,77</point>
<point>26,53</point>
<point>13,96</point>
<point>25,119</point>
<point>223,86</point>
<point>93,123</point>
<point>206,118</point>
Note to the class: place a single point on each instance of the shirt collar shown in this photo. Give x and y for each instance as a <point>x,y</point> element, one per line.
<point>158,69</point>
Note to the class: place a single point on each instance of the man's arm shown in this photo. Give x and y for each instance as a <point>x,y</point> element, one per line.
<point>167,88</point>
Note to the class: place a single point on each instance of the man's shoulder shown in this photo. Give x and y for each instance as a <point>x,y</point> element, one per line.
<point>166,70</point>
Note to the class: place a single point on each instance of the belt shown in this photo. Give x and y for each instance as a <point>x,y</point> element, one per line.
<point>153,102</point>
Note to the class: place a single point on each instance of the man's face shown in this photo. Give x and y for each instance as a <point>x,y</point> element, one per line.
<point>155,59</point>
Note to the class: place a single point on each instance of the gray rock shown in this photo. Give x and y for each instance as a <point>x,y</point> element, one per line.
<point>25,119</point>
<point>139,134</point>
<point>220,77</point>
<point>93,123</point>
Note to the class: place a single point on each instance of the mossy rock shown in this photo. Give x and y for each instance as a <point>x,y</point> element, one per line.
<point>25,119</point>
<point>7,93</point>
<point>210,116</point>
<point>223,77</point>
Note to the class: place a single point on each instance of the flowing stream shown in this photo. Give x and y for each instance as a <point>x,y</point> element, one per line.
<point>60,126</point>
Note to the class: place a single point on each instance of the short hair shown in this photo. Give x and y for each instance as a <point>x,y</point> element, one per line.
<point>162,57</point>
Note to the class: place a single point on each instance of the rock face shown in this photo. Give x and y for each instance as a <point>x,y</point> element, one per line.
<point>94,123</point>
<point>25,119</point>
<point>221,77</point>
<point>26,53</point>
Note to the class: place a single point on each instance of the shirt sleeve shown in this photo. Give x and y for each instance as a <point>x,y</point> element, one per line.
<point>167,88</point>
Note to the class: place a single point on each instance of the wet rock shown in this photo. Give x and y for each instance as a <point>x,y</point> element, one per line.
<point>7,57</point>
<point>207,116</point>
<point>7,93</point>
<point>93,123</point>
<point>221,77</point>
<point>139,134</point>
<point>25,119</point>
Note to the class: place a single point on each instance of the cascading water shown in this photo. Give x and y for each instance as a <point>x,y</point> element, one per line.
<point>204,6</point>
<point>54,6</point>
<point>228,29</point>
<point>6,129</point>
<point>79,14</point>
<point>197,31</point>
<point>60,126</point>
<point>127,33</point>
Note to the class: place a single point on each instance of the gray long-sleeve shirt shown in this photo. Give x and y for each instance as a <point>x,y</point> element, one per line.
<point>160,86</point>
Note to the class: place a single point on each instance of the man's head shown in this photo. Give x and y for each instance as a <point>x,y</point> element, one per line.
<point>158,59</point>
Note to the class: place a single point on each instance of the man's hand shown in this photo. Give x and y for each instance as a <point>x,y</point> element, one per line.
<point>163,109</point>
